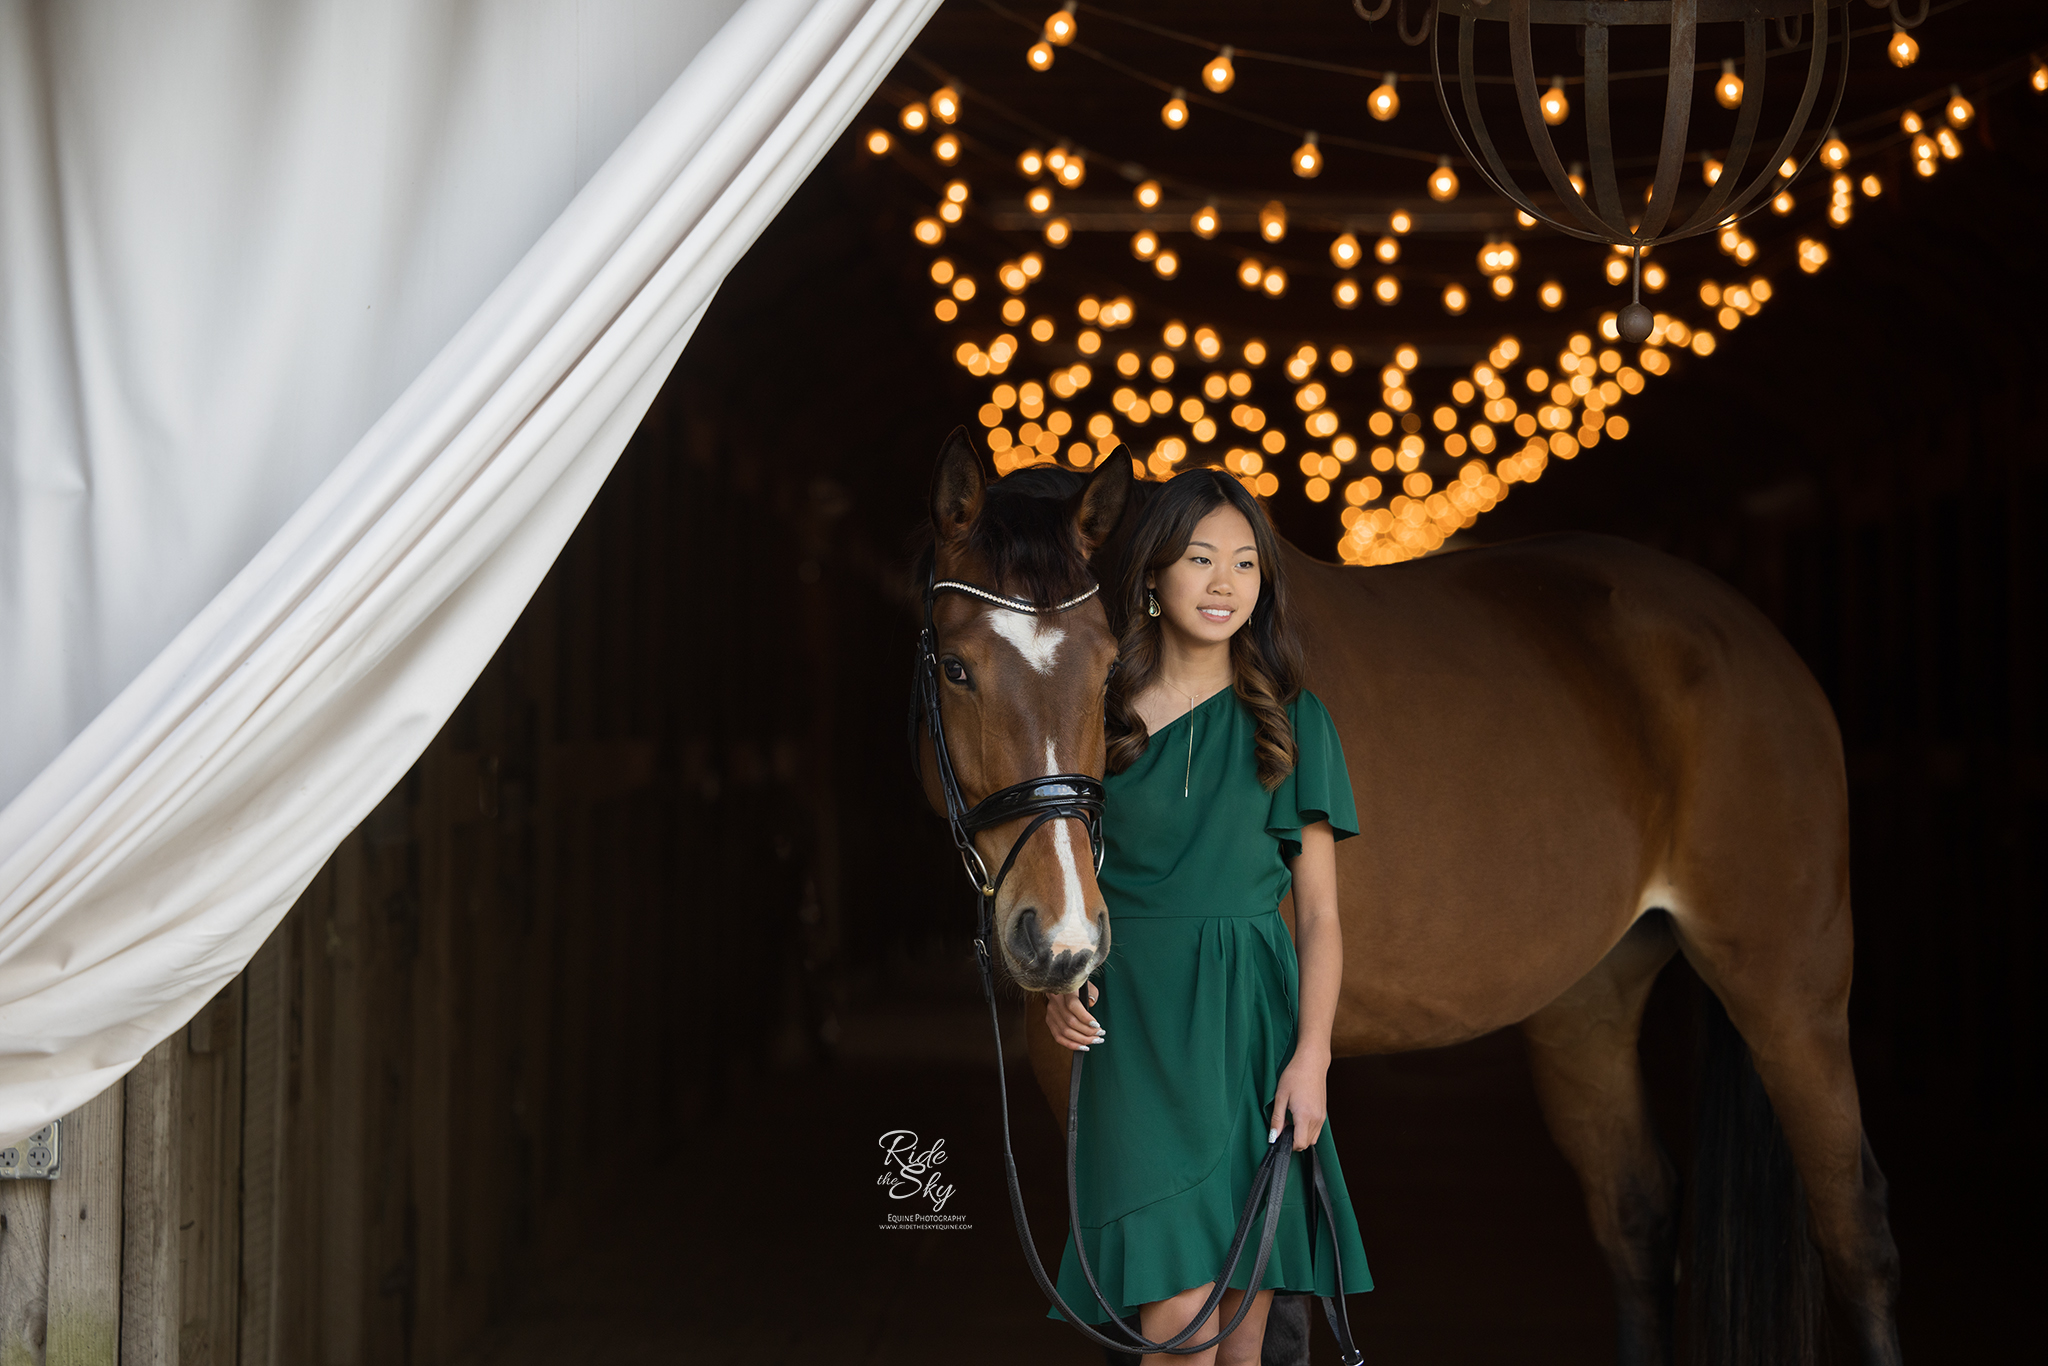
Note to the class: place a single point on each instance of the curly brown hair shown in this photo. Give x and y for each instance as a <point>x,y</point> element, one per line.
<point>1265,654</point>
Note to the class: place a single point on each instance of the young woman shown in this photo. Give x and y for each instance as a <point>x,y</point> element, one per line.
<point>1208,1025</point>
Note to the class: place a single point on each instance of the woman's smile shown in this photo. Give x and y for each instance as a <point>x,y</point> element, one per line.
<point>1217,614</point>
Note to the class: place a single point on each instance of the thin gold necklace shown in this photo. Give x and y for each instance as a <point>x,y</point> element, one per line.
<point>1194,700</point>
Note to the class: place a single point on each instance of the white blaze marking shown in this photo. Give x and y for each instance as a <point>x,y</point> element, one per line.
<point>1071,933</point>
<point>1037,641</point>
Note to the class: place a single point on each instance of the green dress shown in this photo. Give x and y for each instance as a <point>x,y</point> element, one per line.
<point>1199,1001</point>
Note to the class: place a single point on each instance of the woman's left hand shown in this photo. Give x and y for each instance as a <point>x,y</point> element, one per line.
<point>1304,1093</point>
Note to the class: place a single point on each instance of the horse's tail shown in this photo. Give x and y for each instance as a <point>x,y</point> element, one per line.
<point>1757,1292</point>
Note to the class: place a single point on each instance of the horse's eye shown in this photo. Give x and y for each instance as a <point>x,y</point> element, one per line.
<point>956,672</point>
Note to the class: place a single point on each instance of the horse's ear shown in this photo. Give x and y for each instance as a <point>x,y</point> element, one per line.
<point>1100,504</point>
<point>958,485</point>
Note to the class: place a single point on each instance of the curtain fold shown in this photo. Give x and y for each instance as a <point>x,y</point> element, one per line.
<point>142,866</point>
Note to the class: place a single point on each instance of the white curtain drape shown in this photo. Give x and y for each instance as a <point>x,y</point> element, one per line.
<point>322,324</point>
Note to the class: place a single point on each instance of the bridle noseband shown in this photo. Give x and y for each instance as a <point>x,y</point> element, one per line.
<point>1055,796</point>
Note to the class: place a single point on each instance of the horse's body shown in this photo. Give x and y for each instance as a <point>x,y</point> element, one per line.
<point>1549,741</point>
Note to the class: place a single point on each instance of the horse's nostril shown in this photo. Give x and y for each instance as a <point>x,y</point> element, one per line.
<point>1024,935</point>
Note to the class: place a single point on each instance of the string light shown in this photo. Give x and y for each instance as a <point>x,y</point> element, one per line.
<point>1039,55</point>
<point>1387,289</point>
<point>1345,293</point>
<point>1385,100</point>
<point>1926,155</point>
<point>1030,163</point>
<point>1551,295</point>
<point>1345,251</point>
<point>1058,232</point>
<point>1497,257</point>
<point>1274,282</point>
<point>1144,244</point>
<point>1387,250</point>
<point>1951,146</point>
<point>1167,263</point>
<point>1443,182</point>
<point>1399,222</point>
<point>1174,114</point>
<point>946,148</point>
<point>1834,153</point>
<point>1250,271</point>
<point>1813,254</point>
<point>1654,277</point>
<point>1556,108</point>
<point>1728,89</point>
<point>1455,299</point>
<point>1903,49</point>
<point>1960,110</point>
<point>945,104</point>
<point>1071,168</point>
<point>1219,74</point>
<point>929,231</point>
<point>1503,285</point>
<point>2038,77</point>
<point>1060,25</point>
<point>1038,199</point>
<point>1147,194</point>
<point>1308,158</point>
<point>878,142</point>
<point>1206,222</point>
<point>1273,221</point>
<point>913,117</point>
<point>1909,122</point>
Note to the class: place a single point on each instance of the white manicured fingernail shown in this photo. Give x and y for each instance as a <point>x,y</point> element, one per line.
<point>1272,1135</point>
<point>1084,1048</point>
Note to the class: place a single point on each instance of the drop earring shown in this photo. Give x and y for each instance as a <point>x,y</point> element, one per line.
<point>1151,604</point>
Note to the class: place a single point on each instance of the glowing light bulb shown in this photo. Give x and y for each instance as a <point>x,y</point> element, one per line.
<point>1455,299</point>
<point>1387,289</point>
<point>2038,77</point>
<point>1274,282</point>
<point>1167,263</point>
<point>1039,200</point>
<point>1385,100</point>
<point>1058,232</point>
<point>1654,277</point>
<point>1030,163</point>
<point>1909,122</point>
<point>1147,194</point>
<point>878,142</point>
<point>1871,186</point>
<point>1834,154</point>
<point>1728,88</point>
<point>1398,221</point>
<point>1387,250</point>
<point>1556,108</point>
<point>1345,294</point>
<point>1039,55</point>
<point>929,231</point>
<point>1219,74</point>
<point>914,117</point>
<point>945,104</point>
<point>1144,244</point>
<point>1443,183</point>
<point>1205,221</point>
<point>1273,221</point>
<point>1174,114</point>
<point>1060,27</point>
<point>1946,139</point>
<point>1902,49</point>
<point>1250,271</point>
<point>1960,110</point>
<point>1788,168</point>
<point>1781,204</point>
<point>1345,252</point>
<point>1710,170</point>
<point>1551,295</point>
<point>946,148</point>
<point>1503,285</point>
<point>1308,159</point>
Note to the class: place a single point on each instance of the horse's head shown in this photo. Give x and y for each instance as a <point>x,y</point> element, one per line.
<point>1020,693</point>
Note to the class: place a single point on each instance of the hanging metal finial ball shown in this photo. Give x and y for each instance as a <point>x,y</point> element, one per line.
<point>1635,324</point>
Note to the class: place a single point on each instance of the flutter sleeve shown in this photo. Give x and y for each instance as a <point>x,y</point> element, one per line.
<point>1319,788</point>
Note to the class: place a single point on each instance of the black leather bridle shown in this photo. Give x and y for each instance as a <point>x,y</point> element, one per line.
<point>1077,796</point>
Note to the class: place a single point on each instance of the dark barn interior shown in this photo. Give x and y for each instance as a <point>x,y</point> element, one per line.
<point>579,1048</point>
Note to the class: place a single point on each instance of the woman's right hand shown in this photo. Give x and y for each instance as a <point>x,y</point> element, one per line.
<point>1069,1020</point>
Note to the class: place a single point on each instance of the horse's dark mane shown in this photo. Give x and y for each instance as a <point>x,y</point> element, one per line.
<point>1025,535</point>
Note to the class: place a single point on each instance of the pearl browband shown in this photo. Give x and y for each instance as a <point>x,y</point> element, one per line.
<point>1014,604</point>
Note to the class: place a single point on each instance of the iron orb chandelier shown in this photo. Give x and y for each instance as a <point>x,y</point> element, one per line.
<point>1603,219</point>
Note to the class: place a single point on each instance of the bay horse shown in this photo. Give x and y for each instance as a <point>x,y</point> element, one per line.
<point>1573,758</point>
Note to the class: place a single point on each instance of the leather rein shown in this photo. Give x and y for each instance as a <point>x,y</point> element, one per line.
<point>1077,796</point>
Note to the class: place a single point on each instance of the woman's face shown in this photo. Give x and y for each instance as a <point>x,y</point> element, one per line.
<point>1209,592</point>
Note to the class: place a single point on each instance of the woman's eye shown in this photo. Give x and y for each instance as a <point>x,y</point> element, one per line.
<point>956,672</point>
<point>1199,559</point>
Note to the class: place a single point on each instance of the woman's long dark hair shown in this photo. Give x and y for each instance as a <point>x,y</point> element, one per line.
<point>1265,654</point>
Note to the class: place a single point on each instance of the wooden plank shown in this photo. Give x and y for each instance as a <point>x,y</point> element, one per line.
<point>151,1124</point>
<point>431,1150</point>
<point>85,1237</point>
<point>24,1270</point>
<point>262,1124</point>
<point>342,1213</point>
<point>209,1186</point>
